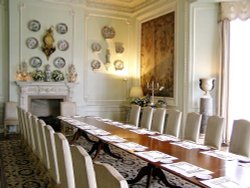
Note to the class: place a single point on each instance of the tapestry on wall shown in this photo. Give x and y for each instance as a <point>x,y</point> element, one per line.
<point>157,55</point>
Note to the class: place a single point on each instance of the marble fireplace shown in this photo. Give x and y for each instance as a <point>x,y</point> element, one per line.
<point>43,98</point>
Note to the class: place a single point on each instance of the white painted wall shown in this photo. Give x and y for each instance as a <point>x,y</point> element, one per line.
<point>103,92</point>
<point>203,51</point>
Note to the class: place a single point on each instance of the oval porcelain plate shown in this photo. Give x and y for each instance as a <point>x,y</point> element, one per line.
<point>203,176</point>
<point>59,62</point>
<point>35,62</point>
<point>32,43</point>
<point>34,25</point>
<point>95,64</point>
<point>62,45</point>
<point>61,28</point>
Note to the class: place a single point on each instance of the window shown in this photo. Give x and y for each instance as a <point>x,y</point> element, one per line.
<point>239,72</point>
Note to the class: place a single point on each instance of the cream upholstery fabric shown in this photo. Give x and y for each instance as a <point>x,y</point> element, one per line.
<point>49,134</point>
<point>134,115</point>
<point>147,116</point>
<point>31,138</point>
<point>108,177</point>
<point>240,138</point>
<point>10,115</point>
<point>173,122</point>
<point>37,139</point>
<point>25,127</point>
<point>192,127</point>
<point>214,130</point>
<point>158,120</point>
<point>45,156</point>
<point>65,165</point>
<point>83,168</point>
<point>67,109</point>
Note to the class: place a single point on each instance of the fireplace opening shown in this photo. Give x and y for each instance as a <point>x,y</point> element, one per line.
<point>46,109</point>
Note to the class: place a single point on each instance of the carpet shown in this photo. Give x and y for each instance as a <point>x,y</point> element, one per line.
<point>20,169</point>
<point>129,166</point>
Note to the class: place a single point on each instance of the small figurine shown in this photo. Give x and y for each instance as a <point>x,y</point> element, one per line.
<point>47,73</point>
<point>72,75</point>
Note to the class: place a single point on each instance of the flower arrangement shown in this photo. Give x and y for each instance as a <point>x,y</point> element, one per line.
<point>141,101</point>
<point>57,75</point>
<point>38,75</point>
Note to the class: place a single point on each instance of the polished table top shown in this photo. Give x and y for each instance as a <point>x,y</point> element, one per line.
<point>218,166</point>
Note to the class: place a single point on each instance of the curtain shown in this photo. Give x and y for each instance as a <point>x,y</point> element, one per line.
<point>238,9</point>
<point>228,11</point>
<point>224,74</point>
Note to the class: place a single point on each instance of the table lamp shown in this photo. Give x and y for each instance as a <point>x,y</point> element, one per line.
<point>136,92</point>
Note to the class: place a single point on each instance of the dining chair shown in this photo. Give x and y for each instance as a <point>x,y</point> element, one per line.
<point>20,123</point>
<point>25,134</point>
<point>53,170</point>
<point>83,168</point>
<point>240,138</point>
<point>192,127</point>
<point>173,123</point>
<point>44,147</point>
<point>10,115</point>
<point>30,131</point>
<point>158,120</point>
<point>37,139</point>
<point>67,109</point>
<point>214,130</point>
<point>134,115</point>
<point>64,159</point>
<point>107,176</point>
<point>146,119</point>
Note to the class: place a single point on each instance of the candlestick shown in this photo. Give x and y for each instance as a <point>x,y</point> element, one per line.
<point>152,87</point>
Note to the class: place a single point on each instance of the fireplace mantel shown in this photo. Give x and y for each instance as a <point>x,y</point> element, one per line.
<point>29,89</point>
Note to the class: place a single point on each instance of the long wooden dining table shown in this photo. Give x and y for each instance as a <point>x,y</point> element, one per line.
<point>219,167</point>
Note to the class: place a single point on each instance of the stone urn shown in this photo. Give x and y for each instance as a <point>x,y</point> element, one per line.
<point>207,85</point>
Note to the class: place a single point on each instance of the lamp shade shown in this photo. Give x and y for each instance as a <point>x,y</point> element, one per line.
<point>136,91</point>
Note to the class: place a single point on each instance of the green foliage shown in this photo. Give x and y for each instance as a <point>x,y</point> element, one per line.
<point>38,75</point>
<point>57,75</point>
<point>142,101</point>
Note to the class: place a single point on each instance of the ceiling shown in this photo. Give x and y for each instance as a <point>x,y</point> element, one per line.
<point>118,5</point>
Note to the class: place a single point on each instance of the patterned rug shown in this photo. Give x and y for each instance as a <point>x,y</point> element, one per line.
<point>20,169</point>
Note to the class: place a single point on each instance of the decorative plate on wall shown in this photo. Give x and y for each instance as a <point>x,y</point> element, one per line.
<point>59,62</point>
<point>62,45</point>
<point>96,47</point>
<point>34,25</point>
<point>61,28</point>
<point>32,42</point>
<point>108,32</point>
<point>95,64</point>
<point>35,62</point>
<point>119,65</point>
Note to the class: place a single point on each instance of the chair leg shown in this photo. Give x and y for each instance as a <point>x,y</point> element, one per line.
<point>5,129</point>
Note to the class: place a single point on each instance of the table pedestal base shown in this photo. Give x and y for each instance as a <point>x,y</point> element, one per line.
<point>151,171</point>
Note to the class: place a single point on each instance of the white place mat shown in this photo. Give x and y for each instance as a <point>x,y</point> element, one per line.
<point>165,138</point>
<point>186,169</point>
<point>155,156</point>
<point>99,132</point>
<point>222,182</point>
<point>86,127</point>
<point>127,126</point>
<point>113,138</point>
<point>144,131</point>
<point>221,155</point>
<point>189,145</point>
<point>131,146</point>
